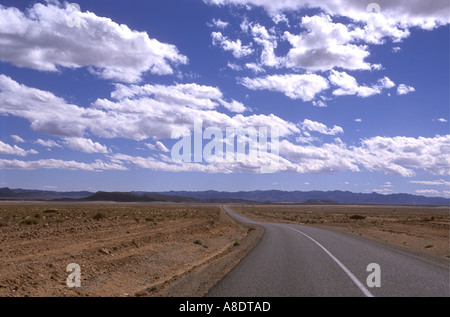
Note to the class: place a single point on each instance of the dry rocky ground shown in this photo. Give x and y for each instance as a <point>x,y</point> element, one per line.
<point>172,250</point>
<point>122,249</point>
<point>424,229</point>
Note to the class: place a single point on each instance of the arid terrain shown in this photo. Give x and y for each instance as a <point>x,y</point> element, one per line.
<point>135,249</point>
<point>122,249</point>
<point>420,228</point>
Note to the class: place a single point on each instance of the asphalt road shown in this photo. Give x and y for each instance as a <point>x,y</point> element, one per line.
<point>299,260</point>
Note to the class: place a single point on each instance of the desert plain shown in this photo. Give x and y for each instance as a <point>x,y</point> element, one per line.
<point>136,249</point>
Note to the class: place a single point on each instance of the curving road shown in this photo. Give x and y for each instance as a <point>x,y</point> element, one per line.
<point>299,260</point>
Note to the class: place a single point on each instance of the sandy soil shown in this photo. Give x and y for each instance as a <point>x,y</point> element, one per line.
<point>424,229</point>
<point>122,249</point>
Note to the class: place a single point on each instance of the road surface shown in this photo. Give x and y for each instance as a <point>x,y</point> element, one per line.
<point>299,260</point>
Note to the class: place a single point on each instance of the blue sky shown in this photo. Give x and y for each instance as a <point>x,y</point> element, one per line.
<point>90,98</point>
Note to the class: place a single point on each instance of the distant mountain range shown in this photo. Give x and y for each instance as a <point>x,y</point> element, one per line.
<point>211,196</point>
<point>318,197</point>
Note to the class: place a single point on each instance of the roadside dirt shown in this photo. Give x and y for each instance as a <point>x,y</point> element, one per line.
<point>122,249</point>
<point>424,229</point>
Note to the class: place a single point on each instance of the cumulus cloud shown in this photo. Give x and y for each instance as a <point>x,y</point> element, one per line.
<point>268,42</point>
<point>329,158</point>
<point>255,68</point>
<point>324,46</point>
<point>402,155</point>
<point>159,146</point>
<point>136,112</point>
<point>319,103</point>
<point>401,14</point>
<point>234,106</point>
<point>17,138</point>
<point>295,86</point>
<point>238,50</point>
<point>348,85</point>
<point>442,120</point>
<point>189,95</point>
<point>218,23</point>
<point>234,66</point>
<point>279,18</point>
<point>151,111</point>
<point>315,126</point>
<point>96,166</point>
<point>14,150</point>
<point>41,39</point>
<point>48,143</point>
<point>85,145</point>
<point>403,89</point>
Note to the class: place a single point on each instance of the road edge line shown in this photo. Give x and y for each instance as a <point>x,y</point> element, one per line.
<point>342,266</point>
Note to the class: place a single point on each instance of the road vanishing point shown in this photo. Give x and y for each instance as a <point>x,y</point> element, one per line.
<point>294,260</point>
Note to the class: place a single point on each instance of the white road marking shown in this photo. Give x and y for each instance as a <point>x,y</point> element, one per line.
<point>346,270</point>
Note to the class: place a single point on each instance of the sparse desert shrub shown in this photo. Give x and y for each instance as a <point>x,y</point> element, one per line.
<point>29,221</point>
<point>428,246</point>
<point>99,215</point>
<point>153,288</point>
<point>51,211</point>
<point>149,219</point>
<point>357,217</point>
<point>237,242</point>
<point>198,241</point>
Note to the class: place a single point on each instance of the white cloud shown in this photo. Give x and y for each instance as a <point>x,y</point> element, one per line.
<point>403,89</point>
<point>280,17</point>
<point>358,120</point>
<point>348,85</point>
<point>189,95</point>
<point>85,145</point>
<point>314,126</point>
<point>255,68</point>
<point>234,106</point>
<point>402,155</point>
<point>397,13</point>
<point>329,158</point>
<point>427,191</point>
<point>382,191</point>
<point>234,66</point>
<point>442,120</point>
<point>294,86</point>
<point>155,111</point>
<point>17,138</point>
<point>324,46</point>
<point>432,183</point>
<point>235,47</point>
<point>218,23</point>
<point>48,143</point>
<point>396,49</point>
<point>268,42</point>
<point>139,113</point>
<point>98,165</point>
<point>14,150</point>
<point>41,39</point>
<point>319,103</point>
<point>159,146</point>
